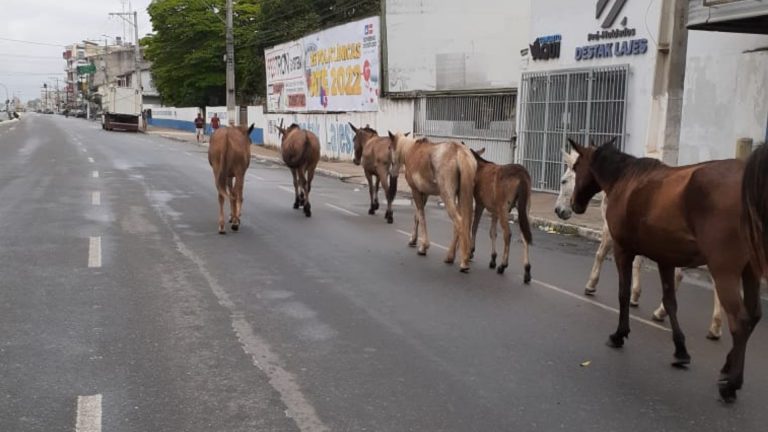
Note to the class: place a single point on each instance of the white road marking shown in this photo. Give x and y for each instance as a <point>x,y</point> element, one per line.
<point>88,414</point>
<point>85,151</point>
<point>94,252</point>
<point>95,198</point>
<point>90,159</point>
<point>258,177</point>
<point>343,210</point>
<point>287,189</point>
<point>12,129</point>
<point>95,174</point>
<point>437,245</point>
<point>598,304</point>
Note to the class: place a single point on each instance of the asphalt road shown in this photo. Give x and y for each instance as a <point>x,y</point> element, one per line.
<point>122,308</point>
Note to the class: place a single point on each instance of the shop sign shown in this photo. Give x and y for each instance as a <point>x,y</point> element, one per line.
<point>546,47</point>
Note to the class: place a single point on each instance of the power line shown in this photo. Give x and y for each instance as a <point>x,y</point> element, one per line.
<point>32,42</point>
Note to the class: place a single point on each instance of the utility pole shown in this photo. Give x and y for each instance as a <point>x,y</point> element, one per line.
<point>231,115</point>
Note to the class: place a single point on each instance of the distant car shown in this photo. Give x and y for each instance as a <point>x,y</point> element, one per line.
<point>48,111</point>
<point>80,113</point>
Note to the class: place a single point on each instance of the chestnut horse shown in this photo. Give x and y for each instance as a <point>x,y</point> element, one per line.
<point>498,188</point>
<point>229,154</point>
<point>301,152</point>
<point>713,213</point>
<point>372,152</point>
<point>563,211</point>
<point>445,169</point>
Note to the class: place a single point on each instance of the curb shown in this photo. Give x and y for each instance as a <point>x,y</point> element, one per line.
<point>544,224</point>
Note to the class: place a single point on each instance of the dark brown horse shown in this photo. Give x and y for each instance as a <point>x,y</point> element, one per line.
<point>712,213</point>
<point>498,188</point>
<point>372,152</point>
<point>301,153</point>
<point>229,154</point>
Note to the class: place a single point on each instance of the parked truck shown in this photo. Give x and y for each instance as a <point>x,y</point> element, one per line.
<point>121,107</point>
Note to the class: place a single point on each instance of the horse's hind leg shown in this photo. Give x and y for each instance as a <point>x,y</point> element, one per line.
<point>237,199</point>
<point>384,178</point>
<point>221,213</point>
<point>232,199</point>
<point>376,194</point>
<point>369,178</point>
<point>296,202</point>
<point>742,317</point>
<point>507,236</point>
<point>716,326</point>
<point>602,250</point>
<point>475,224</point>
<point>303,193</point>
<point>308,187</point>
<point>660,313</point>
<point>492,233</point>
<point>420,224</point>
<point>667,273</point>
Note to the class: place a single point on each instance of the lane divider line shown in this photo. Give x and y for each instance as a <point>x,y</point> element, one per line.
<point>90,159</point>
<point>343,210</point>
<point>287,189</point>
<point>88,414</point>
<point>95,198</point>
<point>95,174</point>
<point>437,245</point>
<point>94,252</point>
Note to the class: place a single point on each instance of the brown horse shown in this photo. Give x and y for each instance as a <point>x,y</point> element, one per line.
<point>301,153</point>
<point>372,152</point>
<point>712,213</point>
<point>229,154</point>
<point>445,169</point>
<point>498,188</point>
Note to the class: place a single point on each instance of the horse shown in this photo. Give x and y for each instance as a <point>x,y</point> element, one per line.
<point>712,213</point>
<point>229,154</point>
<point>498,188</point>
<point>562,209</point>
<point>446,169</point>
<point>300,149</point>
<point>372,152</point>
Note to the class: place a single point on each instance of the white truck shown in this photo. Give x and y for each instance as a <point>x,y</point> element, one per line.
<point>121,108</point>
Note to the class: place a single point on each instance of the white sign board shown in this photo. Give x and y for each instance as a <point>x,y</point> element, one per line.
<point>333,70</point>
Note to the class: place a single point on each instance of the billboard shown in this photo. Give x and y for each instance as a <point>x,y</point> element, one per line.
<point>332,70</point>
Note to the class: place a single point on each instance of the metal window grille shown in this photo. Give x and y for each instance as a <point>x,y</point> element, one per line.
<point>586,105</point>
<point>480,121</point>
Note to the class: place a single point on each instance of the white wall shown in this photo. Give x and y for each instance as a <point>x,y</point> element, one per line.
<point>333,129</point>
<point>726,94</point>
<point>455,44</point>
<point>573,20</point>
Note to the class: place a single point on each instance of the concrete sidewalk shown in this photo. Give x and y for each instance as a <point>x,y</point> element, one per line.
<point>588,225</point>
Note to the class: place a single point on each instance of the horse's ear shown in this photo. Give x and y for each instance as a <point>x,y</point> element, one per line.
<point>481,151</point>
<point>406,134</point>
<point>576,146</point>
<point>250,129</point>
<point>611,142</point>
<point>354,129</point>
<point>391,135</point>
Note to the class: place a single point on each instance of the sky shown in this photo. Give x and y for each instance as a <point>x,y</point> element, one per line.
<point>24,67</point>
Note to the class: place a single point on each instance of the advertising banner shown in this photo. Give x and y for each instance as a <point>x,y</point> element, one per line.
<point>333,70</point>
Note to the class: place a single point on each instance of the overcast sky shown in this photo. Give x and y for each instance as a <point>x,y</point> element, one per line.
<point>25,67</point>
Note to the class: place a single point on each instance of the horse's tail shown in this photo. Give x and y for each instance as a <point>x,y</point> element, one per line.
<point>467,169</point>
<point>223,179</point>
<point>297,160</point>
<point>523,198</point>
<point>754,193</point>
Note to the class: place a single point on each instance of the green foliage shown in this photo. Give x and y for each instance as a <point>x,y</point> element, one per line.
<point>188,46</point>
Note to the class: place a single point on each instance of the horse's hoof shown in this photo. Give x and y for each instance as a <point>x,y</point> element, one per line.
<point>681,361</point>
<point>222,232</point>
<point>390,219</point>
<point>615,341</point>
<point>727,391</point>
<point>712,336</point>
<point>235,227</point>
<point>527,278</point>
<point>371,211</point>
<point>375,206</point>
<point>657,317</point>
<point>412,243</point>
<point>307,212</point>
<point>388,216</point>
<point>421,252</point>
<point>492,264</point>
<point>634,303</point>
<point>589,291</point>
<point>449,260</point>
<point>464,269</point>
<point>296,205</point>
<point>501,269</point>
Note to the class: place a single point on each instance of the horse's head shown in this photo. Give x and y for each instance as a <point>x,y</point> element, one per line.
<point>362,135</point>
<point>567,184</point>
<point>397,143</point>
<point>285,131</point>
<point>585,183</point>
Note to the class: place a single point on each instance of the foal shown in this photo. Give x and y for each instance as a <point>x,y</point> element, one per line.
<point>498,188</point>
<point>563,211</point>
<point>372,152</point>
<point>445,169</point>
<point>301,152</point>
<point>712,213</point>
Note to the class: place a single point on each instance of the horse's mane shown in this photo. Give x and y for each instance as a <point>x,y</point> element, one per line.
<point>292,127</point>
<point>479,158</point>
<point>369,129</point>
<point>612,164</point>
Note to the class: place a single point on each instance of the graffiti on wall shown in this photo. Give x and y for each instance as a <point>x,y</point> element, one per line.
<point>335,135</point>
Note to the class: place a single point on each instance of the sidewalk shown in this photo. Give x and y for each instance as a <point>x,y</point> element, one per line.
<point>543,216</point>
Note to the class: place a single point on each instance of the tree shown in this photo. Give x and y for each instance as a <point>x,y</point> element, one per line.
<point>188,46</point>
